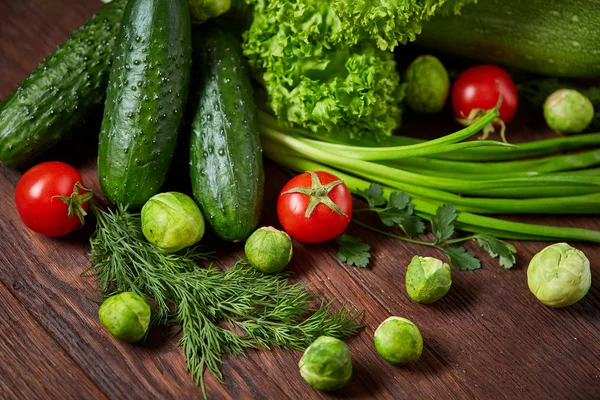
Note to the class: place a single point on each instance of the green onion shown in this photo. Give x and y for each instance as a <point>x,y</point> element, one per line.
<point>496,170</point>
<point>399,177</point>
<point>467,221</point>
<point>524,150</point>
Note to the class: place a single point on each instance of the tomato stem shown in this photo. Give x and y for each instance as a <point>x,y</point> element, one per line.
<point>76,200</point>
<point>318,193</point>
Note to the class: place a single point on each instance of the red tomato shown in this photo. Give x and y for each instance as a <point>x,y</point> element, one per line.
<point>37,202</point>
<point>327,220</point>
<point>479,88</point>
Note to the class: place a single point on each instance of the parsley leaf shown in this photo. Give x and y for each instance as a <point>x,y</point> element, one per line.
<point>412,225</point>
<point>498,248</point>
<point>373,195</point>
<point>352,251</point>
<point>462,259</point>
<point>399,211</point>
<point>401,201</point>
<point>442,224</point>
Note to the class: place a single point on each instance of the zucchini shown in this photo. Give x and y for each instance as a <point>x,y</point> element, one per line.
<point>60,92</point>
<point>225,151</point>
<point>549,37</point>
<point>145,102</point>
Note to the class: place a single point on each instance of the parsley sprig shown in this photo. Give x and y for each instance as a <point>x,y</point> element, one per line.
<point>398,211</point>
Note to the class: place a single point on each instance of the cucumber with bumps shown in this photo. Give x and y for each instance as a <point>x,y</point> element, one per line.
<point>225,151</point>
<point>60,91</point>
<point>147,93</point>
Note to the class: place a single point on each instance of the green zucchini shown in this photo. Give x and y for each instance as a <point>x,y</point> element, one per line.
<point>554,37</point>
<point>225,151</point>
<point>60,91</point>
<point>145,102</point>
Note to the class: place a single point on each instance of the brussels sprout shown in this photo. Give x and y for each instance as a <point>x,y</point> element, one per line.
<point>268,249</point>
<point>326,364</point>
<point>559,275</point>
<point>398,341</point>
<point>427,279</point>
<point>126,316</point>
<point>202,10</point>
<point>568,111</point>
<point>427,85</point>
<point>172,221</point>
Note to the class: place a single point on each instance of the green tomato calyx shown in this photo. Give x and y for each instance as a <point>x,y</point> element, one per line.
<point>318,193</point>
<point>477,113</point>
<point>76,200</point>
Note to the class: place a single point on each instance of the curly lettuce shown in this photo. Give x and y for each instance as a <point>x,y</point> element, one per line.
<point>327,65</point>
<point>390,22</point>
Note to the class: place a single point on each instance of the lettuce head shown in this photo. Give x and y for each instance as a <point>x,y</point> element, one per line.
<point>327,65</point>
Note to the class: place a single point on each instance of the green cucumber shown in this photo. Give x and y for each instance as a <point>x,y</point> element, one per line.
<point>60,91</point>
<point>560,38</point>
<point>145,102</point>
<point>225,151</point>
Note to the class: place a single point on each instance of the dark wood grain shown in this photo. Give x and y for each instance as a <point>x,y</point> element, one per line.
<point>26,348</point>
<point>488,338</point>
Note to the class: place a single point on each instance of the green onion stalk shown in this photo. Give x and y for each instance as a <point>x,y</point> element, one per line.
<point>466,221</point>
<point>497,153</point>
<point>429,186</point>
<point>496,170</point>
<point>557,184</point>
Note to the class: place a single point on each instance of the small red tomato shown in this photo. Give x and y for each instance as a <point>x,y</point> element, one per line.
<point>314,207</point>
<point>479,88</point>
<point>51,199</point>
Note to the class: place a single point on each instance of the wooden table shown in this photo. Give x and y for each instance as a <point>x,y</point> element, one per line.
<point>488,338</point>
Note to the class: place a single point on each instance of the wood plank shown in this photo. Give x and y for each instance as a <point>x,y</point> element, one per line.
<point>26,350</point>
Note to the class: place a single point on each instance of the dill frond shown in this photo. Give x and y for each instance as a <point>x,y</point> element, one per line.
<point>220,313</point>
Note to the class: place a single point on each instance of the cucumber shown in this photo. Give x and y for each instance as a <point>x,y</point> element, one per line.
<point>60,92</point>
<point>145,102</point>
<point>549,37</point>
<point>225,152</point>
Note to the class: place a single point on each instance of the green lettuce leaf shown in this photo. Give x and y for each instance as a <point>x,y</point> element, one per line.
<point>326,64</point>
<point>314,80</point>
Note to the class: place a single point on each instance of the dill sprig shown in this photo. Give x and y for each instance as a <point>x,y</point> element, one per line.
<point>220,313</point>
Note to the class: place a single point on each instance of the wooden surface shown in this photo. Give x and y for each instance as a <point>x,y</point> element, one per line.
<point>488,338</point>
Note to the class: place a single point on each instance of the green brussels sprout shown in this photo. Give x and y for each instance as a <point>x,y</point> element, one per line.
<point>559,275</point>
<point>427,279</point>
<point>126,316</point>
<point>202,10</point>
<point>398,341</point>
<point>268,249</point>
<point>172,221</point>
<point>568,111</point>
<point>326,364</point>
<point>427,85</point>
